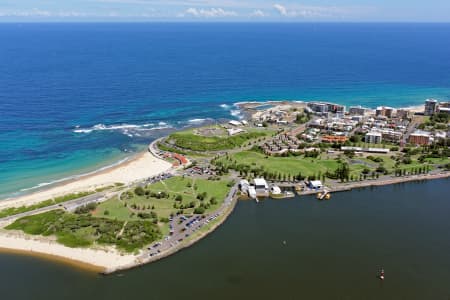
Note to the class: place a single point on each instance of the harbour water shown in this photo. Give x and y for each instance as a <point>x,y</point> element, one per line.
<point>297,248</point>
<point>77,97</point>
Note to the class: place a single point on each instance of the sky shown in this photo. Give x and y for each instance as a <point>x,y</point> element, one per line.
<point>226,10</point>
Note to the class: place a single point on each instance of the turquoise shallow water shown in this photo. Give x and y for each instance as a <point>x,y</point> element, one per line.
<point>75,97</point>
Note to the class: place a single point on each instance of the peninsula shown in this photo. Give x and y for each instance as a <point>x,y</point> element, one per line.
<point>187,183</point>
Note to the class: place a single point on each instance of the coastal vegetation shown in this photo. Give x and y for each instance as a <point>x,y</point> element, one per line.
<point>18,210</point>
<point>83,230</point>
<point>188,140</point>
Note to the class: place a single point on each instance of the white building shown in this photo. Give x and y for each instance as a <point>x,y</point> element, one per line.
<point>315,184</point>
<point>235,123</point>
<point>244,185</point>
<point>234,131</point>
<point>373,137</point>
<point>261,187</point>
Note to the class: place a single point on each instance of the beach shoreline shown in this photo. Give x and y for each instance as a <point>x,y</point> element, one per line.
<point>138,167</point>
<point>96,260</point>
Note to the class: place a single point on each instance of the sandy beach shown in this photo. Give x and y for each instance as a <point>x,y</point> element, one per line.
<point>143,165</point>
<point>95,259</point>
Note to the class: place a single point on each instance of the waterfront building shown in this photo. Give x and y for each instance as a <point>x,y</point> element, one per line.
<point>244,185</point>
<point>444,109</point>
<point>431,106</point>
<point>385,111</point>
<point>420,138</point>
<point>315,184</point>
<point>261,187</point>
<point>373,137</point>
<point>404,114</point>
<point>357,110</point>
<point>318,107</point>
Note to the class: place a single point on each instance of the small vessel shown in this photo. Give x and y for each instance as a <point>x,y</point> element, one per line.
<point>381,276</point>
<point>275,192</point>
<point>289,194</point>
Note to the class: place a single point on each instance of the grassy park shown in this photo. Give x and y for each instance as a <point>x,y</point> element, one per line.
<point>193,140</point>
<point>139,217</point>
<point>159,201</point>
<point>255,163</point>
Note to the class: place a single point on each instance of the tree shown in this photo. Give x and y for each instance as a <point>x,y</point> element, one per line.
<point>139,191</point>
<point>199,210</point>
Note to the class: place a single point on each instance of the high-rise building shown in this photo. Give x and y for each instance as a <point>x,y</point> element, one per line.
<point>431,106</point>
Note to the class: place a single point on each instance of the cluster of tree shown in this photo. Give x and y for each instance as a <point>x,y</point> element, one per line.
<point>86,208</point>
<point>412,171</point>
<point>313,154</point>
<point>343,172</point>
<point>140,207</point>
<point>302,118</point>
<point>375,158</point>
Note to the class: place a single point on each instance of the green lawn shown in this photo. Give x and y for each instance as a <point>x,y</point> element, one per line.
<point>286,165</point>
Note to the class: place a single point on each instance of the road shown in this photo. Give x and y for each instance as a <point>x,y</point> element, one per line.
<point>69,205</point>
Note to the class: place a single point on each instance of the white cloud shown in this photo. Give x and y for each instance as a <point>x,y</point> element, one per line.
<point>208,13</point>
<point>281,9</point>
<point>26,13</point>
<point>258,13</point>
<point>302,11</point>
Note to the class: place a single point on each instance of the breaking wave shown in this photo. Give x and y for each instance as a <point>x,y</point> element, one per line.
<point>127,129</point>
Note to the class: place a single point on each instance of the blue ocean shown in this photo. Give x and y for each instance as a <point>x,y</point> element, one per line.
<point>78,97</point>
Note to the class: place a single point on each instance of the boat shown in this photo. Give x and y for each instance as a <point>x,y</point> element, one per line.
<point>289,194</point>
<point>275,192</point>
<point>381,276</point>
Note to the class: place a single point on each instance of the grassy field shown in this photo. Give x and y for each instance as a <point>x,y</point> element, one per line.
<point>189,140</point>
<point>83,230</point>
<point>18,210</point>
<point>285,165</point>
<point>160,200</point>
<point>307,166</point>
